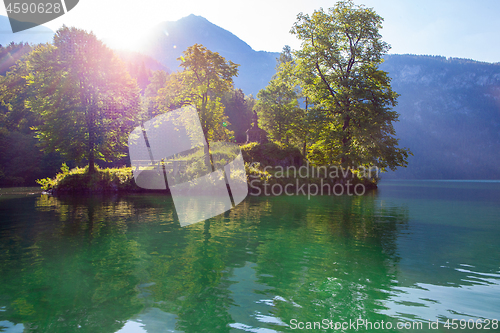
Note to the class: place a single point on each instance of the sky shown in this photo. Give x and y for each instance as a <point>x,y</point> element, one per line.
<point>450,28</point>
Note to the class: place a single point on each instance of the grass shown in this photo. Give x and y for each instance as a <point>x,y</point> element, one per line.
<point>256,156</point>
<point>78,180</point>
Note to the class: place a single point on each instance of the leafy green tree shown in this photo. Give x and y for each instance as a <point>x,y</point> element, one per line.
<point>21,161</point>
<point>85,98</point>
<point>352,99</point>
<point>158,81</point>
<point>277,108</point>
<point>10,54</point>
<point>206,76</point>
<point>238,109</point>
<point>14,115</point>
<point>286,56</point>
<point>278,104</point>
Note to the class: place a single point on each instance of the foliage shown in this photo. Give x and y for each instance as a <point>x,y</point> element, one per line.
<point>278,105</point>
<point>158,81</point>
<point>205,77</point>
<point>350,97</point>
<point>10,54</point>
<point>293,176</point>
<point>195,164</point>
<point>19,158</point>
<point>238,109</point>
<point>271,153</point>
<point>14,115</point>
<point>84,96</point>
<point>255,171</point>
<point>80,180</point>
<point>140,73</point>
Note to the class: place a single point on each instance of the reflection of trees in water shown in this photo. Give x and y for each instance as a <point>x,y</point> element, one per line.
<point>335,257</point>
<point>83,265</point>
<point>77,271</point>
<point>337,263</point>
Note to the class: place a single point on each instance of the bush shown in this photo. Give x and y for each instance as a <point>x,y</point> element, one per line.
<point>78,180</point>
<point>254,171</point>
<point>272,154</point>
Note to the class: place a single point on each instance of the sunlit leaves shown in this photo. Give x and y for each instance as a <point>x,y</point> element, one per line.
<point>338,69</point>
<point>85,99</point>
<point>278,105</point>
<point>206,76</point>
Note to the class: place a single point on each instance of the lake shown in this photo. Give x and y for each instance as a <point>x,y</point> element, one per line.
<point>411,256</point>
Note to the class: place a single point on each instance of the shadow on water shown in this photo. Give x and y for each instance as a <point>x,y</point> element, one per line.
<point>110,264</point>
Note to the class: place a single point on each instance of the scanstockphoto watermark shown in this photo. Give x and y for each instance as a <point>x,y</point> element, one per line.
<point>312,180</point>
<point>358,325</point>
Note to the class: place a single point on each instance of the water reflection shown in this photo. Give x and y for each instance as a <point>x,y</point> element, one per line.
<point>124,264</point>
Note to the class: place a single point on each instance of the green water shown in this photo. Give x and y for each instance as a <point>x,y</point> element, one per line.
<point>410,253</point>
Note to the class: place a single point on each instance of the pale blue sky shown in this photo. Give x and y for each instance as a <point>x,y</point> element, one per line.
<point>452,28</point>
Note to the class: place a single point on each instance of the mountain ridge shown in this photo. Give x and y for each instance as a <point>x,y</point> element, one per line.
<point>166,41</point>
<point>449,116</point>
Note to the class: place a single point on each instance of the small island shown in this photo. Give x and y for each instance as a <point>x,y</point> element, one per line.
<point>306,117</point>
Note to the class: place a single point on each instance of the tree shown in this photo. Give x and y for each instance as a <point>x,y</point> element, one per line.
<point>21,161</point>
<point>278,106</point>
<point>351,98</point>
<point>206,76</point>
<point>286,56</point>
<point>13,94</point>
<point>238,109</point>
<point>86,100</point>
<point>10,54</point>
<point>158,81</point>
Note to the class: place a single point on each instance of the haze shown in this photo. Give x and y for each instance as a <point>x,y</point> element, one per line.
<point>451,28</point>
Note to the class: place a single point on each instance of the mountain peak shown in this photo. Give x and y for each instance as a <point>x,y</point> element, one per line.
<point>169,39</point>
<point>200,30</point>
<point>194,17</point>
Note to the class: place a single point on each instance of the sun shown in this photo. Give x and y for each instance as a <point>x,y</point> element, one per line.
<point>131,40</point>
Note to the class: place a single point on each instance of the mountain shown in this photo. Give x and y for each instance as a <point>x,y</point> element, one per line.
<point>35,35</point>
<point>168,40</point>
<point>449,116</point>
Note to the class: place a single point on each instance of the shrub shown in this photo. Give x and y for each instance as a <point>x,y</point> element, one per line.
<point>272,154</point>
<point>79,180</point>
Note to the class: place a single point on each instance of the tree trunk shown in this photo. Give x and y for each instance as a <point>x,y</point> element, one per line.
<point>91,158</point>
<point>345,161</point>
<point>345,142</point>
<point>305,136</point>
<point>91,141</point>
<point>208,158</point>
